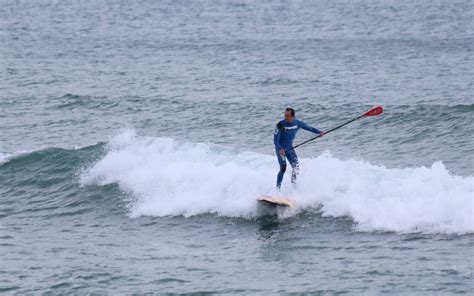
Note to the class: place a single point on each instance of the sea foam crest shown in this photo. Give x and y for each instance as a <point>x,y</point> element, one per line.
<point>165,177</point>
<point>6,157</point>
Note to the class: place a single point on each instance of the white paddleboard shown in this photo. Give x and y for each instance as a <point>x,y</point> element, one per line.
<point>276,201</point>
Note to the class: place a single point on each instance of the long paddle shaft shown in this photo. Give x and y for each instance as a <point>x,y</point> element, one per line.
<point>372,112</point>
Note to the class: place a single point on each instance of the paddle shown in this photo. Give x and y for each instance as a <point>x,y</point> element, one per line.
<point>372,112</point>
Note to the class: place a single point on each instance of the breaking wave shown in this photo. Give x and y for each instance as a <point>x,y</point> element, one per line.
<point>164,177</point>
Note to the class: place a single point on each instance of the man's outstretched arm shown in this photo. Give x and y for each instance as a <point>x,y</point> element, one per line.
<point>306,127</point>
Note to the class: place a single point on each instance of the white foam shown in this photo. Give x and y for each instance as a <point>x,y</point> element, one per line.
<point>6,157</point>
<point>170,178</point>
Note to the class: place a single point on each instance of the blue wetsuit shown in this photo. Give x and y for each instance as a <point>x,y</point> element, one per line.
<point>284,135</point>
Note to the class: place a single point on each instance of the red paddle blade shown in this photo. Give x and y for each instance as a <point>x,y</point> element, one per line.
<point>374,111</point>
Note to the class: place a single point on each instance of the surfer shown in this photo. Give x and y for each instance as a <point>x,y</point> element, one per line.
<point>284,135</point>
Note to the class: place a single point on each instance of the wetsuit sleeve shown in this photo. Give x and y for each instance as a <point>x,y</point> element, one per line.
<point>306,127</point>
<point>276,136</point>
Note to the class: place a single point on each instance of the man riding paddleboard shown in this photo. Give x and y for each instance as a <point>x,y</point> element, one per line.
<point>284,135</point>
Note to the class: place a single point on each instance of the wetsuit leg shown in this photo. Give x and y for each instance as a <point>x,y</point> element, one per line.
<point>293,159</point>
<point>281,173</point>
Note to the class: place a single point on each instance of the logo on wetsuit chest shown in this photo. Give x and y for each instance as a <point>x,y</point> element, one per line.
<point>290,127</point>
<point>282,128</point>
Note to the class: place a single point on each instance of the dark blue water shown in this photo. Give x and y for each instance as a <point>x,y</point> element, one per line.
<point>136,137</point>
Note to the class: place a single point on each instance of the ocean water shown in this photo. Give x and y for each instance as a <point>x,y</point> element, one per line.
<point>135,138</point>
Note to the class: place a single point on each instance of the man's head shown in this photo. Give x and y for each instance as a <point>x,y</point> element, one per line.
<point>289,114</point>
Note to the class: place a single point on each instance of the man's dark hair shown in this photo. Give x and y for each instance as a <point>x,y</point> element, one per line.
<point>292,111</point>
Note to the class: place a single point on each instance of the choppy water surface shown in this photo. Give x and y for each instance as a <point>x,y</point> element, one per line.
<point>135,138</point>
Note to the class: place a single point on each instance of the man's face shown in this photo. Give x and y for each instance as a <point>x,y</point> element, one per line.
<point>288,116</point>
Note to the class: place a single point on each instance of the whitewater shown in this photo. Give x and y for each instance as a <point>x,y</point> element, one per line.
<point>163,177</point>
